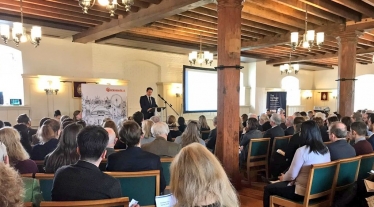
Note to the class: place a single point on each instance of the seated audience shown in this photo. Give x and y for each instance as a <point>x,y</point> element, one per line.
<point>264,123</point>
<point>48,142</point>
<point>134,159</point>
<point>249,132</point>
<point>294,181</point>
<point>147,134</point>
<point>289,124</point>
<point>371,128</point>
<point>77,115</point>
<point>18,157</point>
<point>190,135</point>
<point>62,118</point>
<point>276,130</point>
<point>24,119</point>
<point>173,129</point>
<point>331,120</point>
<point>11,190</point>
<point>160,146</point>
<point>1,124</point>
<point>362,146</point>
<point>347,121</point>
<point>181,124</point>
<point>57,115</point>
<point>244,119</point>
<point>310,115</point>
<point>297,114</point>
<point>82,123</point>
<point>339,148</point>
<point>155,119</point>
<point>212,138</point>
<point>356,117</point>
<point>111,124</point>
<point>203,124</point>
<point>138,117</point>
<point>112,141</point>
<point>281,112</point>
<point>198,179</point>
<point>23,131</point>
<point>84,180</point>
<point>8,124</point>
<point>36,137</point>
<point>323,129</point>
<point>66,150</point>
<point>303,114</point>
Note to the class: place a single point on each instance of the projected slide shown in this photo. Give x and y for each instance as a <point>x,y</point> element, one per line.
<point>200,89</point>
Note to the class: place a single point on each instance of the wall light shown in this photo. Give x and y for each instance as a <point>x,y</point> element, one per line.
<point>334,94</point>
<point>51,88</point>
<point>308,95</point>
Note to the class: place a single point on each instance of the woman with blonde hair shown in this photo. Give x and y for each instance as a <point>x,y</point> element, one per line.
<point>12,189</point>
<point>18,157</point>
<point>190,135</point>
<point>174,130</point>
<point>146,128</point>
<point>48,143</point>
<point>264,122</point>
<point>198,179</point>
<point>203,124</point>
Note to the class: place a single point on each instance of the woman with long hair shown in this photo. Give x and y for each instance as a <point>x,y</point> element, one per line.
<point>23,131</point>
<point>48,143</point>
<point>294,181</point>
<point>198,179</point>
<point>111,124</point>
<point>181,124</point>
<point>190,135</point>
<point>203,124</point>
<point>12,188</point>
<point>18,157</point>
<point>66,150</point>
<point>147,134</point>
<point>174,130</point>
<point>77,115</point>
<point>250,132</point>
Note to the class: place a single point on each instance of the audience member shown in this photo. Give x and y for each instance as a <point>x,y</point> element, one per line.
<point>3,154</point>
<point>18,157</point>
<point>111,124</point>
<point>23,131</point>
<point>8,124</point>
<point>250,132</point>
<point>147,134</point>
<point>203,124</point>
<point>160,146</point>
<point>294,181</point>
<point>134,159</point>
<point>276,130</point>
<point>331,120</point>
<point>36,137</point>
<point>297,114</point>
<point>181,124</point>
<point>356,117</point>
<point>338,115</point>
<point>320,115</point>
<point>66,150</point>
<point>190,135</point>
<point>264,122</point>
<point>155,119</point>
<point>362,146</point>
<point>371,128</point>
<point>84,180</point>
<point>339,148</point>
<point>138,117</point>
<point>112,141</point>
<point>323,129</point>
<point>82,123</point>
<point>173,129</point>
<point>281,112</point>
<point>48,142</point>
<point>198,179</point>
<point>12,189</point>
<point>244,119</point>
<point>289,125</point>
<point>57,115</point>
<point>310,115</point>
<point>77,115</point>
<point>212,138</point>
<point>303,114</point>
<point>65,123</point>
<point>1,124</point>
<point>172,121</point>
<point>62,118</point>
<point>24,119</point>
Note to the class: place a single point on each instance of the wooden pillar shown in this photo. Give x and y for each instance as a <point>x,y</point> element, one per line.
<point>229,47</point>
<point>346,72</point>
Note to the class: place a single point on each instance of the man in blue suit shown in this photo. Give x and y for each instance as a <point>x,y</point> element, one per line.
<point>147,103</point>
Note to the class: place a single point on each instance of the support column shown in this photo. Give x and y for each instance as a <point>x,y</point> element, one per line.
<point>347,71</point>
<point>229,47</point>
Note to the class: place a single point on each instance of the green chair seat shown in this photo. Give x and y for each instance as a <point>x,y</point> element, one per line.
<point>365,166</point>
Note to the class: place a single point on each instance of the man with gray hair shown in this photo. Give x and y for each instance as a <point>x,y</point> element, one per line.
<point>275,131</point>
<point>339,148</point>
<point>112,141</point>
<point>289,124</point>
<point>211,141</point>
<point>160,146</point>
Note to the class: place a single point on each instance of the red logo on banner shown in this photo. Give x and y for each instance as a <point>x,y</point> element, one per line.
<point>115,90</point>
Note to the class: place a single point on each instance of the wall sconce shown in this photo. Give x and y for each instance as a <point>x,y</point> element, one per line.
<point>49,89</point>
<point>308,97</point>
<point>334,94</point>
<point>177,94</point>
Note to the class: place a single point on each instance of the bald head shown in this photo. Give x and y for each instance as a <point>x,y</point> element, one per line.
<point>289,121</point>
<point>337,130</point>
<point>112,137</point>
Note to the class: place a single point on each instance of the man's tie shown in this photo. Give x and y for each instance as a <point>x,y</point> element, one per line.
<point>150,101</point>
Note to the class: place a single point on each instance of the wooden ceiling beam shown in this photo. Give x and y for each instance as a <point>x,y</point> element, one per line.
<point>363,25</point>
<point>182,32</point>
<point>183,29</point>
<point>184,25</point>
<point>370,2</point>
<point>141,4</point>
<point>357,6</point>
<point>152,1</point>
<point>298,5</point>
<point>154,13</point>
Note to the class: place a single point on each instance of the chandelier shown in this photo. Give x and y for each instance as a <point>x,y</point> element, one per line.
<point>309,37</point>
<point>200,56</point>
<point>288,67</point>
<point>110,5</point>
<point>19,33</point>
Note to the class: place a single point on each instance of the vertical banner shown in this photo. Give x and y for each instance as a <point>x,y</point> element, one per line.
<point>276,100</point>
<point>103,101</point>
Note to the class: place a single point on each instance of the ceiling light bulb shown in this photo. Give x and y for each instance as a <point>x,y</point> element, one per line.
<point>310,35</point>
<point>103,2</point>
<point>23,38</point>
<point>294,37</point>
<point>305,45</point>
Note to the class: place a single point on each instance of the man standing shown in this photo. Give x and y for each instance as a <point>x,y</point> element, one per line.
<point>147,103</point>
<point>339,148</point>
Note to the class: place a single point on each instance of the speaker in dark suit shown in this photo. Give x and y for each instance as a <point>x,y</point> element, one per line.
<point>147,103</point>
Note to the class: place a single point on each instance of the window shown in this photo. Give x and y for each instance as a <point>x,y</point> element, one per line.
<point>11,69</point>
<point>292,86</point>
<point>363,98</point>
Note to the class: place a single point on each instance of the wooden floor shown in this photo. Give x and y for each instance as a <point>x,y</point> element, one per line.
<point>252,197</point>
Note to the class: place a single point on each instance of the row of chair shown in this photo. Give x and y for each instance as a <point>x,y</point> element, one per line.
<point>123,201</point>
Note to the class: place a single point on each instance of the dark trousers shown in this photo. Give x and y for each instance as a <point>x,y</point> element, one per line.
<point>280,189</point>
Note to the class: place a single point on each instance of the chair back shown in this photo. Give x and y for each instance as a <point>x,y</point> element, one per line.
<point>40,165</point>
<point>205,134</point>
<point>346,177</point>
<point>142,186</point>
<point>280,143</point>
<point>165,163</point>
<point>124,201</point>
<point>322,181</point>
<point>258,148</point>
<point>365,166</point>
<point>45,182</point>
<point>27,204</point>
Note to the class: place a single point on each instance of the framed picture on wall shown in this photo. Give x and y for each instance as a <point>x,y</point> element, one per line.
<point>77,89</point>
<point>324,96</point>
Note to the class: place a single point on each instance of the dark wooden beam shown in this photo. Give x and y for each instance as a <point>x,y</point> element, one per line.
<point>154,13</point>
<point>357,6</point>
<point>370,2</point>
<point>363,25</point>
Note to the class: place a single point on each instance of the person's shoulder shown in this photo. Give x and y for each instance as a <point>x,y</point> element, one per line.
<point>64,170</point>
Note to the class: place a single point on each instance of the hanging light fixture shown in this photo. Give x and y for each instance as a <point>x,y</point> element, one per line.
<point>200,57</point>
<point>86,4</point>
<point>309,37</point>
<point>19,34</point>
<point>111,5</point>
<point>288,67</point>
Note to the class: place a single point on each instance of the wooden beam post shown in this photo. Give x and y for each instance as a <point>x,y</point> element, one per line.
<point>347,42</point>
<point>229,44</point>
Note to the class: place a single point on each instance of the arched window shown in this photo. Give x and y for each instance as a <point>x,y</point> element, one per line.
<point>292,86</point>
<point>11,69</point>
<point>363,97</point>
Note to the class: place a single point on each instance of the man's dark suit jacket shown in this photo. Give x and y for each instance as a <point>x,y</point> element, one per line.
<point>371,140</point>
<point>39,151</point>
<point>84,181</point>
<point>276,131</point>
<point>340,150</point>
<point>324,133</point>
<point>289,131</point>
<point>266,126</point>
<point>134,159</point>
<point>145,105</point>
<point>211,144</point>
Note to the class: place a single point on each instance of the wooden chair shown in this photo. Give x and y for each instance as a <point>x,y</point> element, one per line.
<point>205,134</point>
<point>27,204</point>
<point>320,188</point>
<point>258,156</point>
<point>124,201</point>
<point>165,162</point>
<point>279,143</point>
<point>45,182</point>
<point>40,164</point>
<point>365,166</point>
<point>326,143</point>
<point>346,177</point>
<point>142,186</point>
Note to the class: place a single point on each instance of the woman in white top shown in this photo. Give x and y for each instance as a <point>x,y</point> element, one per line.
<point>190,135</point>
<point>294,181</point>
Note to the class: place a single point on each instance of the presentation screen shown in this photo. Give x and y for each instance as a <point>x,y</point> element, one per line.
<point>199,89</point>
